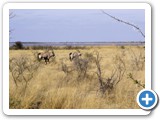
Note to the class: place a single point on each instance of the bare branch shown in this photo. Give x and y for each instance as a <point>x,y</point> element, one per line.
<point>11,15</point>
<point>125,22</point>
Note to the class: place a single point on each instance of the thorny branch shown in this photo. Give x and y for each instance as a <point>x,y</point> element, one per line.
<point>125,22</point>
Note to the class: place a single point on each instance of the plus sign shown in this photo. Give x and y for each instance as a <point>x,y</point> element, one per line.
<point>147,99</point>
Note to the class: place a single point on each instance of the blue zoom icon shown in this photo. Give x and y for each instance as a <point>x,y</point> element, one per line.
<point>147,99</point>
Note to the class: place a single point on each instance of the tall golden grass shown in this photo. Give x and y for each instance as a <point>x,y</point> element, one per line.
<point>52,88</point>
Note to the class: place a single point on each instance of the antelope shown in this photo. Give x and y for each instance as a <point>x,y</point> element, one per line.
<point>46,56</point>
<point>74,55</point>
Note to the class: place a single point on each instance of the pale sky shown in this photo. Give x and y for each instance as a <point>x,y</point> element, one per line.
<point>75,25</point>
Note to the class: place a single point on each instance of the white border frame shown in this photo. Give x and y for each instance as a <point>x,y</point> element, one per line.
<point>8,6</point>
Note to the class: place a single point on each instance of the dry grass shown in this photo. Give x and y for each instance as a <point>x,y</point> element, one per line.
<point>52,88</point>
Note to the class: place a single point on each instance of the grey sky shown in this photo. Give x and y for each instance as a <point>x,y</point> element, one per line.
<point>75,25</point>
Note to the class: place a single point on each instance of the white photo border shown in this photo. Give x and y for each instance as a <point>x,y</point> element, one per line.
<point>8,6</point>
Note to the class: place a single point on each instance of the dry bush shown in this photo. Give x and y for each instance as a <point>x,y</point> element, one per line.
<point>108,84</point>
<point>138,59</point>
<point>99,72</point>
<point>66,68</point>
<point>120,67</point>
<point>81,66</point>
<point>104,85</point>
<point>69,76</point>
<point>22,70</point>
<point>89,56</point>
<point>77,71</point>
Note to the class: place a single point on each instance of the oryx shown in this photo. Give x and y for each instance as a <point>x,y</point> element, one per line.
<point>46,56</point>
<point>74,55</point>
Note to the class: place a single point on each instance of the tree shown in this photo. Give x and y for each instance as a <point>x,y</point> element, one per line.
<point>18,45</point>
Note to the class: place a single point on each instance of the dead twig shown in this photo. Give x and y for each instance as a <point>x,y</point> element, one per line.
<point>125,22</point>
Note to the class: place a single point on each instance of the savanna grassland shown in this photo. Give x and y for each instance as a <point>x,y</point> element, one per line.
<point>105,77</point>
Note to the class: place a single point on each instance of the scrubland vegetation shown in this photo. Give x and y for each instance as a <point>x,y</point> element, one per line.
<point>104,77</point>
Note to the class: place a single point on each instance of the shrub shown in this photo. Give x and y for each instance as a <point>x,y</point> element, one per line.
<point>138,59</point>
<point>122,47</point>
<point>18,45</point>
<point>81,66</point>
<point>107,84</point>
<point>22,70</point>
<point>89,56</point>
